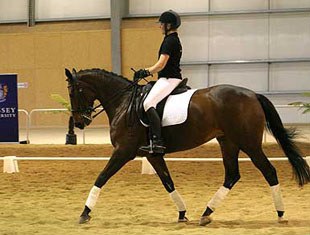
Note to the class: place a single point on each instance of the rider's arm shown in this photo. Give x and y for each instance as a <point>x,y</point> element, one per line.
<point>160,64</point>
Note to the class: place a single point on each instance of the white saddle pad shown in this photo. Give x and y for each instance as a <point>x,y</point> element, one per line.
<point>176,108</point>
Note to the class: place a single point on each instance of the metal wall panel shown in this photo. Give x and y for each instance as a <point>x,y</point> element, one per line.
<point>238,37</point>
<point>63,9</point>
<point>293,115</point>
<point>197,75</point>
<point>231,5</point>
<point>13,10</point>
<point>289,35</point>
<point>290,76</point>
<point>158,6</point>
<point>251,76</point>
<point>282,4</point>
<point>195,39</point>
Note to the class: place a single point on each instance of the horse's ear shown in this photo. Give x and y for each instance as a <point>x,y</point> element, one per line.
<point>68,74</point>
<point>74,76</point>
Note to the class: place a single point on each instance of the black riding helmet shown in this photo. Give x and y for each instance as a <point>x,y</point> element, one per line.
<point>170,17</point>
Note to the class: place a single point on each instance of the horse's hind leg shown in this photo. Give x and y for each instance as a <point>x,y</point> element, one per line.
<point>230,152</point>
<point>162,171</point>
<point>269,172</point>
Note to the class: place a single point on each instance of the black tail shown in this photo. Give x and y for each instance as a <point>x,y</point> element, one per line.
<point>285,138</point>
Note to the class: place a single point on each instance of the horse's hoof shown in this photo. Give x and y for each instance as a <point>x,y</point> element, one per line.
<point>183,220</point>
<point>282,220</point>
<point>84,219</point>
<point>204,220</point>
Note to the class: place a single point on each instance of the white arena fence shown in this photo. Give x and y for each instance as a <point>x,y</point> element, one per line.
<point>302,119</point>
<point>10,163</point>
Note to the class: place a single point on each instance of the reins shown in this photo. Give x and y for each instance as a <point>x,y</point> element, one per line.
<point>116,95</point>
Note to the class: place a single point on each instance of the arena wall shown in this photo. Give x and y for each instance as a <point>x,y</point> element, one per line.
<point>215,34</point>
<point>39,55</point>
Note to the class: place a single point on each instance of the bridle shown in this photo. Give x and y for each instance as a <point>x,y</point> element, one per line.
<point>73,87</point>
<point>86,112</point>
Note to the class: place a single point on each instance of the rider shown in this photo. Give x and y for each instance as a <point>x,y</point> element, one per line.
<point>169,76</point>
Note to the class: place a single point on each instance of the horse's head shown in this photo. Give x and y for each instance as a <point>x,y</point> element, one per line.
<point>82,99</point>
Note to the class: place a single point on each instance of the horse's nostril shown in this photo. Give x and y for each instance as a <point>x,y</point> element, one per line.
<point>79,125</point>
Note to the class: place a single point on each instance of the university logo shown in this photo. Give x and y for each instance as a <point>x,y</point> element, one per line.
<point>3,92</point>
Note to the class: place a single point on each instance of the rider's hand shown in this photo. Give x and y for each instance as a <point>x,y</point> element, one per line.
<point>142,73</point>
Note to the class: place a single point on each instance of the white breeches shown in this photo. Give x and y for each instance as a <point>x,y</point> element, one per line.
<point>161,89</point>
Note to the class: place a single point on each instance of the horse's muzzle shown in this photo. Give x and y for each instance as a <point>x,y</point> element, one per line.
<point>79,125</point>
<point>87,119</point>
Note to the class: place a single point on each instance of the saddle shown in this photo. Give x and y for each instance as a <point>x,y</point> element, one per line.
<point>144,91</point>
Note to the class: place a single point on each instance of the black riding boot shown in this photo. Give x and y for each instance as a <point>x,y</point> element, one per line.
<point>156,142</point>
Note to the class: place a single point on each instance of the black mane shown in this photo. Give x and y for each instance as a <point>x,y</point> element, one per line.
<point>101,72</point>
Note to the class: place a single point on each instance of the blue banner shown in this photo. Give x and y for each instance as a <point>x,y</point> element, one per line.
<point>8,108</point>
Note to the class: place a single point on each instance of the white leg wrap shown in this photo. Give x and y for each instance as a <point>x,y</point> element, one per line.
<point>277,197</point>
<point>218,198</point>
<point>178,200</point>
<point>93,197</point>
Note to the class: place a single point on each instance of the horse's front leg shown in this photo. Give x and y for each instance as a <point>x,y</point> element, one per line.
<point>116,162</point>
<point>162,171</point>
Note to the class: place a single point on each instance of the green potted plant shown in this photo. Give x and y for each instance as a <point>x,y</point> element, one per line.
<point>303,105</point>
<point>71,136</point>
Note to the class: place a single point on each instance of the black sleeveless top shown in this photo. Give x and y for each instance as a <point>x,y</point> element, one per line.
<point>171,46</point>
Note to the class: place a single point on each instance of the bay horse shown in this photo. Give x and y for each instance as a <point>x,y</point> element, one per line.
<point>235,116</point>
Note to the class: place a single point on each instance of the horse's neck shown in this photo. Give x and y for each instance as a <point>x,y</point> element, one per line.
<point>113,96</point>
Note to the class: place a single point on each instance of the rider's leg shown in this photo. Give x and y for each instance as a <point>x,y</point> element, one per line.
<point>155,126</point>
<point>162,88</point>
